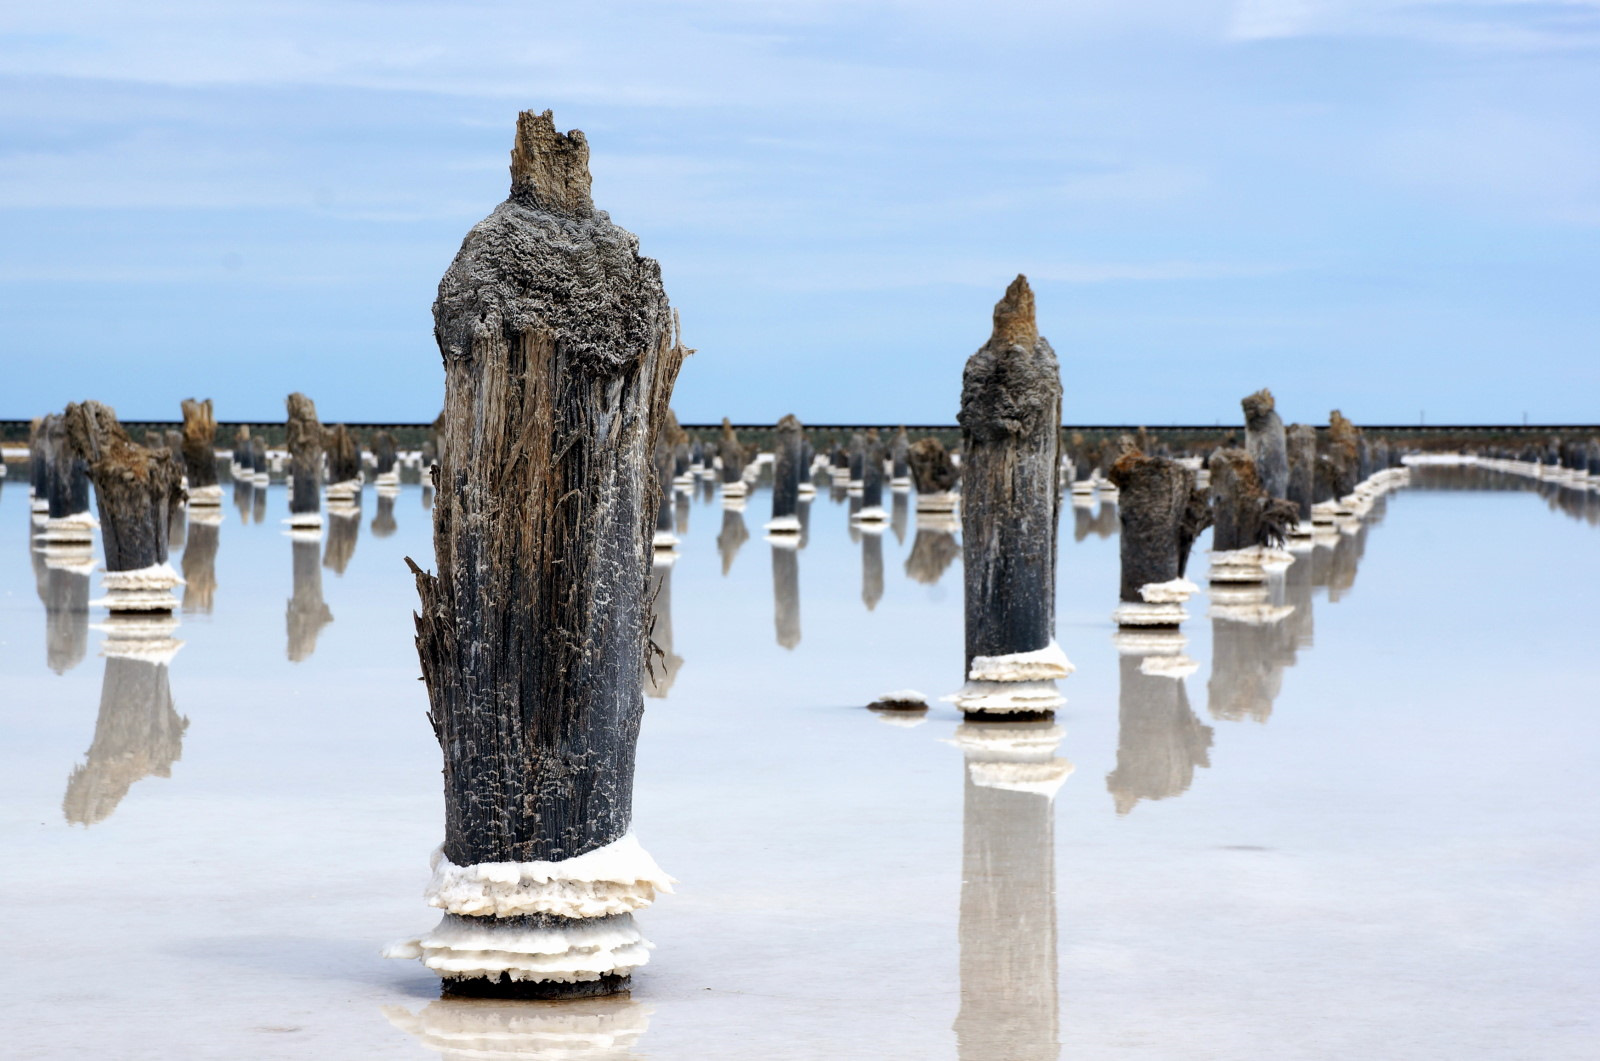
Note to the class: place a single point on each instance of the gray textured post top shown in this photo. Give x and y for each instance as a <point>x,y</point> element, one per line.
<point>550,170</point>
<point>1012,386</point>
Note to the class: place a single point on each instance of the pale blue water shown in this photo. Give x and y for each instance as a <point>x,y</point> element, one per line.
<point>1375,835</point>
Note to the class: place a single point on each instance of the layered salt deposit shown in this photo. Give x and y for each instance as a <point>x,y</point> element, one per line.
<point>205,496</point>
<point>1007,698</point>
<point>938,501</point>
<point>784,525</point>
<point>560,951</point>
<point>1176,591</point>
<point>1134,641</point>
<point>615,879</point>
<point>875,514</point>
<point>1168,666</point>
<point>156,576</point>
<point>1042,664</point>
<point>344,490</point>
<point>1247,565</point>
<point>1254,614</point>
<point>1133,614</point>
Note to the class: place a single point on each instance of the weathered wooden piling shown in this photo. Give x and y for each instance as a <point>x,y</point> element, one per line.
<point>858,459</point>
<point>787,461</point>
<point>900,459</point>
<point>1302,451</point>
<point>872,515</point>
<point>305,437</point>
<point>1249,528</point>
<point>1154,508</point>
<point>200,453</point>
<point>1338,461</point>
<point>135,488</point>
<point>38,467</point>
<point>1266,443</point>
<point>385,460</point>
<point>68,524</point>
<point>935,476</point>
<point>560,353</point>
<point>733,457</point>
<point>239,465</point>
<point>344,467</point>
<point>1010,424</point>
<point>258,462</point>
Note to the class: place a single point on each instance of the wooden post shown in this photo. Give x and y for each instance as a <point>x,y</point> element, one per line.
<point>560,353</point>
<point>900,454</point>
<point>858,460</point>
<point>872,516</point>
<point>1248,533</point>
<point>1302,446</point>
<point>1159,739</point>
<point>135,488</point>
<point>68,524</point>
<point>38,467</point>
<point>1010,424</point>
<point>733,461</point>
<point>239,466</point>
<point>1265,441</point>
<point>385,460</point>
<point>304,435</point>
<point>1157,517</point>
<point>344,468</point>
<point>935,476</point>
<point>200,453</point>
<point>787,461</point>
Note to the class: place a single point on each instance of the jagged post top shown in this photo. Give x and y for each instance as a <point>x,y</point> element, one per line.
<point>550,169</point>
<point>1012,385</point>
<point>790,424</point>
<point>1257,406</point>
<point>1015,323</point>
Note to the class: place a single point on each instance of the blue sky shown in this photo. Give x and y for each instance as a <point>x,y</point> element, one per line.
<point>1388,206</point>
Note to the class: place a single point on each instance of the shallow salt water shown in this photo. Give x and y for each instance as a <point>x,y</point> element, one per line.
<point>1364,831</point>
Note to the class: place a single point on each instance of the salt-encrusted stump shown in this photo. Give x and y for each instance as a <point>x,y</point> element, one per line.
<point>663,663</point>
<point>385,460</point>
<point>138,734</point>
<point>560,353</point>
<point>900,461</point>
<point>239,461</point>
<point>808,461</point>
<point>1010,425</point>
<point>68,524</point>
<point>1157,520</point>
<point>135,488</point>
<point>871,515</point>
<point>787,462</point>
<point>1010,1000</point>
<point>200,454</point>
<point>1249,528</point>
<point>733,457</point>
<point>305,438</point>
<point>38,467</point>
<point>935,476</point>
<point>258,461</point>
<point>344,468</point>
<point>1302,447</point>
<point>786,592</point>
<point>1159,739</point>
<point>306,613</point>
<point>1337,469</point>
<point>858,459</point>
<point>731,538</point>
<point>1266,443</point>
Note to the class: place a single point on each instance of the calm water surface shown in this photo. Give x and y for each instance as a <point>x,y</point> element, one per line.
<point>1367,830</point>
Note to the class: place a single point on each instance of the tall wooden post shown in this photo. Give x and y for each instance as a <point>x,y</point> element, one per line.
<point>787,444</point>
<point>1248,534</point>
<point>1302,446</point>
<point>935,476</point>
<point>733,460</point>
<point>900,457</point>
<point>385,460</point>
<point>1010,425</point>
<point>872,515</point>
<point>200,454</point>
<point>1156,514</point>
<point>1265,441</point>
<point>560,353</point>
<point>344,468</point>
<point>68,524</point>
<point>304,435</point>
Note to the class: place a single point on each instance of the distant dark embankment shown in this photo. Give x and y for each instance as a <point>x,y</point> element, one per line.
<point>1186,437</point>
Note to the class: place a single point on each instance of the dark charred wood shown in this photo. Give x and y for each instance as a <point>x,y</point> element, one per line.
<point>305,437</point>
<point>199,443</point>
<point>560,353</point>
<point>1266,443</point>
<point>787,462</point>
<point>66,469</point>
<point>873,457</point>
<point>1010,421</point>
<point>932,471</point>
<point>1302,443</point>
<point>1243,513</point>
<point>534,990</point>
<point>1154,496</point>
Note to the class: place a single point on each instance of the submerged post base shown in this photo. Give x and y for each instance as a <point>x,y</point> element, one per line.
<point>534,990</point>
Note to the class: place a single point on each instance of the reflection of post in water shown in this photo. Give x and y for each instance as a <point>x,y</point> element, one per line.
<point>1250,648</point>
<point>663,663</point>
<point>258,503</point>
<point>680,508</point>
<point>854,511</point>
<point>200,564</point>
<point>871,565</point>
<point>899,514</point>
<point>1009,1005</point>
<point>1105,521</point>
<point>933,549</point>
<point>177,527</point>
<point>587,1029</point>
<point>1159,739</point>
<point>307,613</point>
<point>733,535</point>
<point>64,587</point>
<point>383,523</point>
<point>786,591</point>
<point>802,511</point>
<point>344,527</point>
<point>137,735</point>
<point>244,497</point>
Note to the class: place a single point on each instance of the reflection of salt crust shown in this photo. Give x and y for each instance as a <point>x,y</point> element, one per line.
<point>1042,779</point>
<point>1251,593</point>
<point>1164,666</point>
<point>783,540</point>
<point>387,489</point>
<point>205,496</point>
<point>156,576</point>
<point>344,491</point>
<point>900,718</point>
<point>1247,565</point>
<point>1260,614</point>
<point>1133,614</point>
<point>79,560</point>
<point>938,521</point>
<point>1301,529</point>
<point>663,558</point>
<point>304,534</point>
<point>261,478</point>
<point>1323,511</point>
<point>1134,641</point>
<point>1176,591</point>
<point>304,519</point>
<point>733,502</point>
<point>901,700</point>
<point>615,879</point>
<point>1003,698</point>
<point>603,1029</point>
<point>939,501</point>
<point>210,515</point>
<point>784,525</point>
<point>388,478</point>
<point>1083,488</point>
<point>159,647</point>
<point>807,490</point>
<point>1042,664</point>
<point>78,527</point>
<point>738,488</point>
<point>900,486</point>
<point>1018,742</point>
<point>875,514</point>
<point>570,952</point>
<point>664,540</point>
